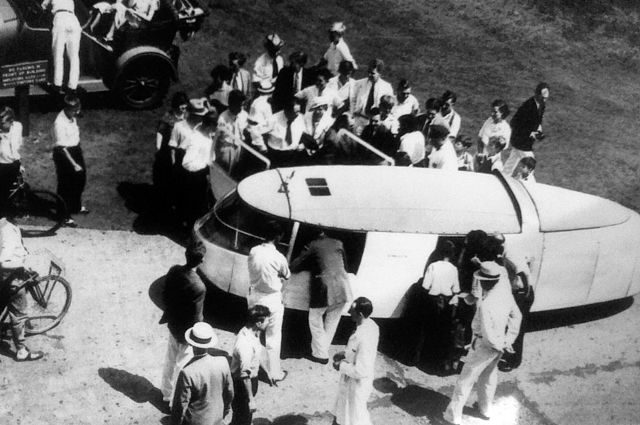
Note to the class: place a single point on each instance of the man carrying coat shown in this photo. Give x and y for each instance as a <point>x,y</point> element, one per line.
<point>329,291</point>
<point>495,327</point>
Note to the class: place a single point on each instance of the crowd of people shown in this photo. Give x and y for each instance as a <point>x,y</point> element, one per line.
<point>201,389</point>
<point>293,114</point>
<point>470,299</point>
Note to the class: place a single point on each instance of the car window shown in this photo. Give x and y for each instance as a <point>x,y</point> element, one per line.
<point>236,226</point>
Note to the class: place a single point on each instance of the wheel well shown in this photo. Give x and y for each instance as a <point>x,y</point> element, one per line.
<point>147,55</point>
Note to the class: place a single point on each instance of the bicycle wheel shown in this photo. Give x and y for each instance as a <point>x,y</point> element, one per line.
<point>48,302</point>
<point>39,213</point>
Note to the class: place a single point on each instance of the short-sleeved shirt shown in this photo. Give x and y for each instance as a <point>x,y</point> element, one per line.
<point>441,278</point>
<point>10,144</point>
<point>65,131</point>
<point>245,359</point>
<point>198,152</point>
<point>444,158</point>
<point>179,134</point>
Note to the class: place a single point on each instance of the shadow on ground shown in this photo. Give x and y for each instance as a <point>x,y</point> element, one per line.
<point>136,387</point>
<point>283,420</point>
<point>55,103</point>
<point>152,219</point>
<point>413,399</point>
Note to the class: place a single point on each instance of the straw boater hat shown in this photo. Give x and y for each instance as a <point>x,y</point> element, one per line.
<point>338,27</point>
<point>265,87</point>
<point>488,271</point>
<point>201,335</point>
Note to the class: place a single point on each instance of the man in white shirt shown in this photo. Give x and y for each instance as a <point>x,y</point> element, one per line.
<point>357,367</point>
<point>441,283</point>
<point>232,126</point>
<point>449,115</point>
<point>412,140</point>
<point>283,135</point>
<point>407,103</point>
<point>338,50</point>
<point>10,144</point>
<point>367,93</point>
<point>443,156</point>
<point>245,364</point>
<point>495,327</point>
<point>13,255</point>
<point>260,114</point>
<point>267,269</point>
<point>198,155</point>
<point>320,88</point>
<point>269,64</point>
<point>343,84</point>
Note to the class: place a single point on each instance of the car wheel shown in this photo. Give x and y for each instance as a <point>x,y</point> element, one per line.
<point>143,84</point>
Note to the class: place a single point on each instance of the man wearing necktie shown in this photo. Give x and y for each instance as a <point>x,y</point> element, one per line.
<point>526,127</point>
<point>367,93</point>
<point>241,79</point>
<point>283,137</point>
<point>270,63</point>
<point>291,80</point>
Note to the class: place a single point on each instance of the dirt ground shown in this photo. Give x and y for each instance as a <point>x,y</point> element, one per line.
<point>103,363</point>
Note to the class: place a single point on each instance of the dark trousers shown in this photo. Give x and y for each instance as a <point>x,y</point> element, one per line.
<point>240,404</point>
<point>71,183</point>
<point>524,300</point>
<point>16,302</point>
<point>8,176</point>
<point>194,195</point>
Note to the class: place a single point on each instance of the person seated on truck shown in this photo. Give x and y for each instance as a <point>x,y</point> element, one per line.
<point>130,12</point>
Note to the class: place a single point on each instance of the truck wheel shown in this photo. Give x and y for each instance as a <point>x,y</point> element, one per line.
<point>143,84</point>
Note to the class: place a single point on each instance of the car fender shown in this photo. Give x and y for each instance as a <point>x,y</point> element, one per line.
<point>145,52</point>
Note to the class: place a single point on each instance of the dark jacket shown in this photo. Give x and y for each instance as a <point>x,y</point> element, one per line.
<point>284,90</point>
<point>324,258</point>
<point>183,298</point>
<point>526,119</point>
<point>204,392</point>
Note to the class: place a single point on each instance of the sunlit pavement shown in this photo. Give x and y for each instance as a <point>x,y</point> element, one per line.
<point>103,363</point>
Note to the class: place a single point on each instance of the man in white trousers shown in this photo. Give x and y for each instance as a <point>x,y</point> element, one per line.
<point>267,269</point>
<point>65,36</point>
<point>495,327</point>
<point>329,291</point>
<point>357,366</point>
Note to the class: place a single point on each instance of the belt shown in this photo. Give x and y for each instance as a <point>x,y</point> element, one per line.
<point>64,10</point>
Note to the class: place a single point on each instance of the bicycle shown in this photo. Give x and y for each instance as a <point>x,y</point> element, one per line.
<point>35,212</point>
<point>48,300</point>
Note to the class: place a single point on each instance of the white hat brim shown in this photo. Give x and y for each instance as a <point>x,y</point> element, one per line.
<point>190,341</point>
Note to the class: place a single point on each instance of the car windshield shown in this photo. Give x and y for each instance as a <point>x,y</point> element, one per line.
<point>236,226</point>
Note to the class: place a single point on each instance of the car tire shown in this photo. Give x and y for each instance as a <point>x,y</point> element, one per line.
<point>143,84</point>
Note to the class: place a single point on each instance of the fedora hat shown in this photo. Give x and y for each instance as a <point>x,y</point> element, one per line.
<point>488,271</point>
<point>198,106</point>
<point>338,27</point>
<point>201,335</point>
<point>274,40</point>
<point>265,87</point>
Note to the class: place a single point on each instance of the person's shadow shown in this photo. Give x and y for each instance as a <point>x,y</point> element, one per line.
<point>153,218</point>
<point>413,399</point>
<point>136,387</point>
<point>289,419</point>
